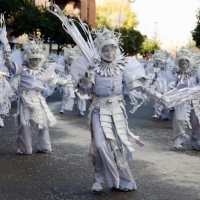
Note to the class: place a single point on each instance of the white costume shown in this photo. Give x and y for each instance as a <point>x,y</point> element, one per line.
<point>164,80</point>
<point>185,99</point>
<point>70,91</point>
<point>6,93</point>
<point>105,78</point>
<point>29,83</point>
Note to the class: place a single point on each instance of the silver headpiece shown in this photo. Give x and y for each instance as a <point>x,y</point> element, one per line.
<point>70,53</point>
<point>186,54</point>
<point>161,55</point>
<point>109,37</point>
<point>52,58</point>
<point>105,37</point>
<point>33,48</point>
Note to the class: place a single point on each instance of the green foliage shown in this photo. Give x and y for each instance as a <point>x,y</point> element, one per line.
<point>114,13</point>
<point>6,7</point>
<point>149,45</point>
<point>111,13</point>
<point>32,19</point>
<point>132,41</point>
<point>191,44</point>
<point>196,31</point>
<point>27,20</point>
<point>51,28</point>
<point>10,7</point>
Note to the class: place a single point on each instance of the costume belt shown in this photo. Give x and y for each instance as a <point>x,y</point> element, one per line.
<point>110,101</point>
<point>30,92</point>
<point>4,73</point>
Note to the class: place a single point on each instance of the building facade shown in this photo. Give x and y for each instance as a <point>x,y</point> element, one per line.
<point>86,8</point>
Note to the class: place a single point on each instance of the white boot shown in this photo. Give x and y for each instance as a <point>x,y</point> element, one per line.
<point>1,123</point>
<point>155,116</point>
<point>19,151</point>
<point>97,187</point>
<point>62,112</point>
<point>180,141</point>
<point>81,113</point>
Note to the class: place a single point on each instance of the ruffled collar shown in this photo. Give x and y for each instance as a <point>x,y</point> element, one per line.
<point>114,68</point>
<point>191,71</point>
<point>39,71</point>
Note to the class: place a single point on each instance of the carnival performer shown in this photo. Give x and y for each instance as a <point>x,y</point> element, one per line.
<point>164,80</point>
<point>50,89</point>
<point>185,99</point>
<point>29,82</point>
<point>70,93</point>
<point>6,93</point>
<point>102,71</point>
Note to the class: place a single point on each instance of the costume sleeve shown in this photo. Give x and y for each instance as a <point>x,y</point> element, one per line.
<point>149,68</point>
<point>170,77</point>
<point>50,77</point>
<point>139,85</point>
<point>134,74</point>
<point>83,74</point>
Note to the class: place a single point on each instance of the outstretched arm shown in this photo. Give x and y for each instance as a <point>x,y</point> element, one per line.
<point>138,85</point>
<point>6,46</point>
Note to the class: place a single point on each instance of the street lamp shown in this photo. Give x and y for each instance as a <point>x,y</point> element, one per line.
<point>50,42</point>
<point>120,13</point>
<point>130,1</point>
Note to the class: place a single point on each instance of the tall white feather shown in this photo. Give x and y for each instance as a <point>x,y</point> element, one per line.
<point>87,47</point>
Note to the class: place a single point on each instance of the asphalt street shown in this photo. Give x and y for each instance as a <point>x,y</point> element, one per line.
<point>161,172</point>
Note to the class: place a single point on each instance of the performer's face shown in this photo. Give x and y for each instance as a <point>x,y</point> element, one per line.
<point>158,63</point>
<point>184,64</point>
<point>34,62</point>
<point>108,52</point>
<point>69,61</point>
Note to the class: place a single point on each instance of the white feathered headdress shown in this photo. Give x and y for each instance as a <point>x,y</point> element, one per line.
<point>33,48</point>
<point>3,34</point>
<point>161,55</point>
<point>87,47</point>
<point>186,54</point>
<point>105,36</point>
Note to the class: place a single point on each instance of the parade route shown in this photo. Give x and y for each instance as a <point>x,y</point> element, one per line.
<point>161,172</point>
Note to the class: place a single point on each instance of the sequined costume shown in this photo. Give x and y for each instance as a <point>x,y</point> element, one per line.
<point>6,93</point>
<point>164,80</point>
<point>28,82</point>
<point>111,145</point>
<point>103,71</point>
<point>185,99</point>
<point>70,94</point>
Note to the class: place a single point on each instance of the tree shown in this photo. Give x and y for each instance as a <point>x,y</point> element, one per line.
<point>191,44</point>
<point>27,20</point>
<point>113,13</point>
<point>117,14</point>
<point>11,7</point>
<point>196,31</point>
<point>33,19</point>
<point>51,28</point>
<point>149,45</point>
<point>132,41</point>
<point>8,9</point>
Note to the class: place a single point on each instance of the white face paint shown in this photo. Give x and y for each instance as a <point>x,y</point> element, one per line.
<point>158,63</point>
<point>184,64</point>
<point>108,52</point>
<point>68,61</point>
<point>34,63</point>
